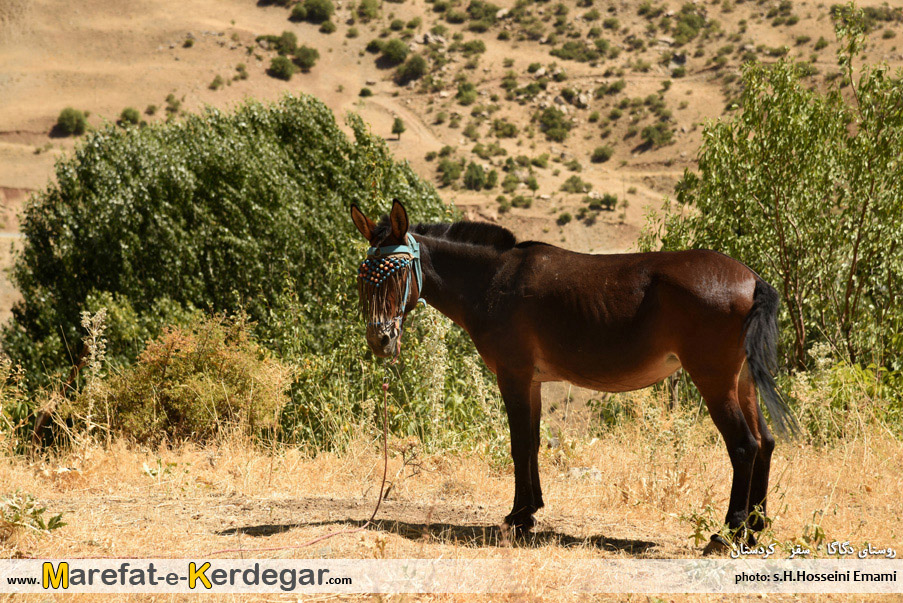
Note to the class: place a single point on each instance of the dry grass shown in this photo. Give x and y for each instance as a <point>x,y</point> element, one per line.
<point>652,474</point>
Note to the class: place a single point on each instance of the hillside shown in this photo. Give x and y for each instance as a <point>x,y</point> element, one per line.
<point>633,79</point>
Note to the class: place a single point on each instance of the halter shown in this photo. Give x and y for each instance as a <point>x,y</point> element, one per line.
<point>379,266</point>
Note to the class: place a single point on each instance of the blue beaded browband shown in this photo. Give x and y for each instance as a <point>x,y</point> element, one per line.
<point>379,266</point>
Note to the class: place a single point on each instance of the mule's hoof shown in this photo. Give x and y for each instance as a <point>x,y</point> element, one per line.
<point>520,525</point>
<point>717,546</point>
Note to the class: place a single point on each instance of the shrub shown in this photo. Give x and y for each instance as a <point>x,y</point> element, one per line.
<point>398,127</point>
<point>306,57</point>
<point>449,170</point>
<point>657,135</point>
<point>217,83</point>
<point>602,154</point>
<point>130,116</point>
<point>365,92</point>
<point>395,51</point>
<point>563,218</point>
<point>282,68</point>
<point>327,27</point>
<point>368,10</point>
<point>285,43</point>
<point>575,185</point>
<point>474,177</point>
<point>554,123</point>
<point>413,69</point>
<point>150,110</point>
<point>299,12</point>
<point>195,383</point>
<point>71,122</point>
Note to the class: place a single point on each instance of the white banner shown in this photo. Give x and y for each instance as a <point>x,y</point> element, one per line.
<point>309,576</point>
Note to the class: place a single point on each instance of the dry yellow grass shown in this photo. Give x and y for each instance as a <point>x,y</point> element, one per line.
<point>652,474</point>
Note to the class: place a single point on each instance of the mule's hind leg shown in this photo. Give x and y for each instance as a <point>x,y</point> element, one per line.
<point>516,392</point>
<point>756,421</point>
<point>719,388</point>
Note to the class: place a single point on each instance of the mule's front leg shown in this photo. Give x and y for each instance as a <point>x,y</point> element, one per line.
<point>516,390</point>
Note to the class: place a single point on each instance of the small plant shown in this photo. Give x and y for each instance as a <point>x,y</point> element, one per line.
<point>71,122</point>
<point>173,105</point>
<point>20,511</point>
<point>188,43</point>
<point>151,110</point>
<point>563,218</point>
<point>575,185</point>
<point>318,11</point>
<point>352,32</point>
<point>365,92</point>
<point>327,27</point>
<point>217,83</point>
<point>241,72</point>
<point>395,51</point>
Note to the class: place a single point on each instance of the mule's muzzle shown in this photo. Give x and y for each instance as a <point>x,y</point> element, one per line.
<point>384,338</point>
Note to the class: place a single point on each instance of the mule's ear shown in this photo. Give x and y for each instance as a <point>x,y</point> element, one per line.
<point>363,223</point>
<point>398,219</point>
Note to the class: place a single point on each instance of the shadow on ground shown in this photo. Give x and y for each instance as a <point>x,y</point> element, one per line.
<point>462,535</point>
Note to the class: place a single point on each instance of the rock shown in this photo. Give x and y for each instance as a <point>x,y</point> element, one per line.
<point>539,72</point>
<point>559,101</point>
<point>371,82</point>
<point>189,35</point>
<point>666,40</point>
<point>545,197</point>
<point>582,101</point>
<point>502,13</point>
<point>443,94</point>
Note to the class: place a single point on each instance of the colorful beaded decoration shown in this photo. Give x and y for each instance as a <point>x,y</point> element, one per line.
<point>377,270</point>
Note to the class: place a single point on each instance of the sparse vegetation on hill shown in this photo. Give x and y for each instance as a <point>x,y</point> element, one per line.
<point>71,122</point>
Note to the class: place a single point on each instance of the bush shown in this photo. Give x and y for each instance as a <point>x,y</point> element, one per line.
<point>657,135</point>
<point>194,383</point>
<point>319,11</point>
<point>563,218</point>
<point>327,27</point>
<point>306,57</point>
<point>474,177</point>
<point>395,51</point>
<point>413,69</point>
<point>299,13</point>
<point>602,154</point>
<point>365,92</point>
<point>130,116</point>
<point>368,10</point>
<point>282,68</point>
<point>449,170</point>
<point>575,185</point>
<point>555,124</point>
<point>71,122</point>
<point>285,44</point>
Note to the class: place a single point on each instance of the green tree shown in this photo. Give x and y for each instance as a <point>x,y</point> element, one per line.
<point>804,186</point>
<point>395,51</point>
<point>413,69</point>
<point>474,177</point>
<point>398,127</point>
<point>282,68</point>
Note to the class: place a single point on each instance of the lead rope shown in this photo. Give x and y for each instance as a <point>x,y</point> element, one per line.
<point>382,486</point>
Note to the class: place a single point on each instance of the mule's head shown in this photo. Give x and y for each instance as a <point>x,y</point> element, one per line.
<point>387,281</point>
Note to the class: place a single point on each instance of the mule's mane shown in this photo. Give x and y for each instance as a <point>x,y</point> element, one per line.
<point>482,234</point>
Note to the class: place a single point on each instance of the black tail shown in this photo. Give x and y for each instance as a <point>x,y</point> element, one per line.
<point>761,345</point>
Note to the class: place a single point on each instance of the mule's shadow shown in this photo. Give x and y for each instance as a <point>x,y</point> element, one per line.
<point>464,535</point>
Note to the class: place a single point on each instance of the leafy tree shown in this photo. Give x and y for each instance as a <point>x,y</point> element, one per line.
<point>398,127</point>
<point>413,69</point>
<point>804,186</point>
<point>368,10</point>
<point>554,123</point>
<point>71,122</point>
<point>218,212</point>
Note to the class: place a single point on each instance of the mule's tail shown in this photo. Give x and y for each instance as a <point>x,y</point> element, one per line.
<point>761,327</point>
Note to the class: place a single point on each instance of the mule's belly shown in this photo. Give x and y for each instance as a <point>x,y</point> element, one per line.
<point>621,379</point>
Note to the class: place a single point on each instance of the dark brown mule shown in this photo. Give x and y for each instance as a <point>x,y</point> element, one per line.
<point>608,322</point>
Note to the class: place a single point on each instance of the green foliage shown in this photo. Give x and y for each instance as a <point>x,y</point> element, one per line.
<point>130,116</point>
<point>602,154</point>
<point>474,177</point>
<point>319,11</point>
<point>306,57</point>
<point>367,10</point>
<point>575,185</point>
<point>413,69</point>
<point>71,122</point>
<point>554,123</point>
<point>282,68</point>
<point>398,127</point>
<point>449,170</point>
<point>22,511</point>
<point>657,135</point>
<point>285,43</point>
<point>574,50</point>
<point>394,52</point>
<point>327,27</point>
<point>804,186</point>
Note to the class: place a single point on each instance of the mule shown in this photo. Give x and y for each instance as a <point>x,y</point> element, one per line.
<point>612,323</point>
